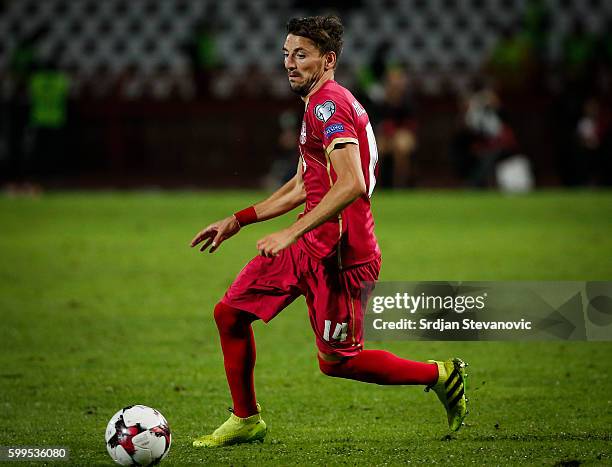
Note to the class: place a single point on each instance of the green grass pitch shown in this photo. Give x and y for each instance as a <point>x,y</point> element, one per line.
<point>103,304</point>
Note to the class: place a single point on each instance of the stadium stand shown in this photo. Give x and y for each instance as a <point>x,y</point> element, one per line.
<point>145,78</point>
<point>434,38</point>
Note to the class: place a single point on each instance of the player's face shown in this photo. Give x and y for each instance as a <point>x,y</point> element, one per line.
<point>304,63</point>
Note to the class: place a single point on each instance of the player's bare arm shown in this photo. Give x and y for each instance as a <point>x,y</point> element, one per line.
<point>349,185</point>
<point>283,200</point>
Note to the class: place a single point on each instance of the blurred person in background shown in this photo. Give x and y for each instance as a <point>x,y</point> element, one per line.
<point>484,137</point>
<point>579,112</point>
<point>48,90</point>
<point>18,142</point>
<point>593,136</point>
<point>201,49</point>
<point>579,52</point>
<point>370,78</point>
<point>395,124</point>
<point>518,60</point>
<point>513,62</point>
<point>536,24</point>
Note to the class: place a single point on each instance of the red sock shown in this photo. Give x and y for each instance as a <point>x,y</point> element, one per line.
<point>381,367</point>
<point>238,345</point>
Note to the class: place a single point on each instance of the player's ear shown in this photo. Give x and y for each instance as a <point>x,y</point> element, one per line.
<point>330,60</point>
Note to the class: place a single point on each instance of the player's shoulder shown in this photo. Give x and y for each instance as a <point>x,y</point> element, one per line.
<point>331,99</point>
<point>333,91</point>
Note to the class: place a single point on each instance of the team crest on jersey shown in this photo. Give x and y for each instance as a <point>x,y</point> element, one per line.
<point>303,133</point>
<point>325,110</point>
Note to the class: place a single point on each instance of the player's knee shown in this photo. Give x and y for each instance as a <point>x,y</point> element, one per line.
<point>333,368</point>
<point>230,319</point>
<point>226,317</point>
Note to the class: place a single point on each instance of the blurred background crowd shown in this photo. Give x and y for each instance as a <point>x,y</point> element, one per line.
<point>509,94</point>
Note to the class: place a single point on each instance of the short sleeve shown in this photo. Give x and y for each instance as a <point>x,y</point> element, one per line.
<point>337,123</point>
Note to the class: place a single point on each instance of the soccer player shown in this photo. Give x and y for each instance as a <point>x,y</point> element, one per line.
<point>324,255</point>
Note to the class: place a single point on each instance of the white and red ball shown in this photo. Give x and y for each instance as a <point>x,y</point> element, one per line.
<point>138,435</point>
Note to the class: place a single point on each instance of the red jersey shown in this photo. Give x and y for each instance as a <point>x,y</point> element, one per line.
<point>334,116</point>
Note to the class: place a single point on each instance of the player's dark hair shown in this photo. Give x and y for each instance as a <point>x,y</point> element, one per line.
<point>325,31</point>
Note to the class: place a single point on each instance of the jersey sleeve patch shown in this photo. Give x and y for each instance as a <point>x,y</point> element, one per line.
<point>325,111</point>
<point>333,128</point>
<point>338,121</point>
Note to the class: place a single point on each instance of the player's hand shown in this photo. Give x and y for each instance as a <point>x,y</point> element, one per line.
<point>216,233</point>
<point>272,244</point>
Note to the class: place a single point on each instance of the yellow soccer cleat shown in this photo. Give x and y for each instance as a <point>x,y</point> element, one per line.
<point>450,389</point>
<point>235,430</point>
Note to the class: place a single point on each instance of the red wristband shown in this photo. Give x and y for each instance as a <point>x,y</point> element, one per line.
<point>246,216</point>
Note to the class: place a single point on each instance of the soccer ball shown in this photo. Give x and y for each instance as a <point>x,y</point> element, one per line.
<point>138,435</point>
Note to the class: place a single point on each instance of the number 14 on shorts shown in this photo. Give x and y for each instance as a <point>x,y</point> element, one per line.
<point>340,331</point>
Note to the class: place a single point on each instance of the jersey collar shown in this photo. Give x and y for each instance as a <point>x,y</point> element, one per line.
<point>324,85</point>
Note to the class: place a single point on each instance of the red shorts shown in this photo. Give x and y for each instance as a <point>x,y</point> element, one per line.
<point>268,285</point>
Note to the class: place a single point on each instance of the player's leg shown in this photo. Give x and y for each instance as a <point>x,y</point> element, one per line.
<point>336,314</point>
<point>261,290</point>
<point>238,346</point>
<point>380,367</point>
<point>341,353</point>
